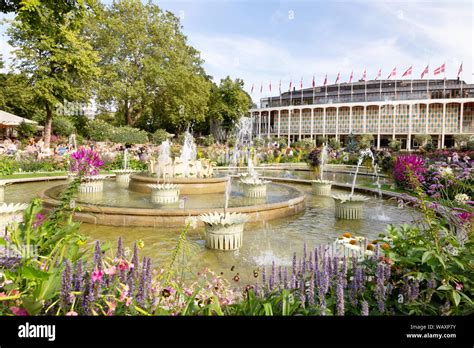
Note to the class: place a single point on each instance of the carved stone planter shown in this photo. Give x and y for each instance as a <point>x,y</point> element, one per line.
<point>254,187</point>
<point>92,184</point>
<point>10,213</point>
<point>322,187</point>
<point>122,176</point>
<point>164,193</point>
<point>224,232</point>
<point>349,207</point>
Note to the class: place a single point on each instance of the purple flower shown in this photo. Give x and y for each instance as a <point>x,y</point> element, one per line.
<point>406,166</point>
<point>365,308</point>
<point>272,276</point>
<point>340,294</point>
<point>39,220</point>
<point>66,285</point>
<point>78,276</point>
<point>311,290</point>
<point>85,162</point>
<point>120,252</point>
<point>380,290</point>
<point>98,256</point>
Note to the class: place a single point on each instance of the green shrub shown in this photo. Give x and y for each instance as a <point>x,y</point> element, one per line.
<point>208,140</point>
<point>7,165</point>
<point>365,141</point>
<point>128,135</point>
<point>98,130</point>
<point>334,144</point>
<point>25,130</point>
<point>63,126</point>
<point>395,144</point>
<point>159,136</point>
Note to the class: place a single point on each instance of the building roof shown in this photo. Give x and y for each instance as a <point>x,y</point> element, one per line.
<point>7,119</point>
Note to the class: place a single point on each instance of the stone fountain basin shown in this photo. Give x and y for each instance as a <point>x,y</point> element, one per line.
<point>187,186</point>
<point>173,217</point>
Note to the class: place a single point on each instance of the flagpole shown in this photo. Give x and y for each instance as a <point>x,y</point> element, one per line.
<point>352,83</point>
<point>326,94</point>
<point>380,88</point>
<point>460,78</point>
<point>444,84</point>
<point>365,80</point>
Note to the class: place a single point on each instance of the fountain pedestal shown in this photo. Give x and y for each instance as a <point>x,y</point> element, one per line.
<point>224,232</point>
<point>164,193</point>
<point>322,187</point>
<point>349,207</point>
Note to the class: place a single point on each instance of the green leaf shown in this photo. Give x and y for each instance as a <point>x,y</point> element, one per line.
<point>426,256</point>
<point>268,309</point>
<point>32,273</point>
<point>445,287</point>
<point>456,298</point>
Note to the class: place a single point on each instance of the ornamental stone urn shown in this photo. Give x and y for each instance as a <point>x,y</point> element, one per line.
<point>349,207</point>
<point>164,193</point>
<point>92,184</point>
<point>224,231</point>
<point>122,176</point>
<point>254,187</point>
<point>321,187</point>
<point>10,213</point>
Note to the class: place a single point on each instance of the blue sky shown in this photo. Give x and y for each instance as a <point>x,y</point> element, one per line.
<point>269,40</point>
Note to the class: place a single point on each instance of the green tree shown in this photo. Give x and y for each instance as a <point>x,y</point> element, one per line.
<point>17,96</point>
<point>52,51</point>
<point>227,103</point>
<point>149,74</point>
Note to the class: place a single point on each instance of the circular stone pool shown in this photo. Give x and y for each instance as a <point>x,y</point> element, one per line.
<point>118,206</point>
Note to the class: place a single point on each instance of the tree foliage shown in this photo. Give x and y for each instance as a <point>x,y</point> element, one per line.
<point>51,50</point>
<point>149,74</point>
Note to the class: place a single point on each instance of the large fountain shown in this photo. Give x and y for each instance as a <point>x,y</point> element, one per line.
<point>182,187</point>
<point>192,175</point>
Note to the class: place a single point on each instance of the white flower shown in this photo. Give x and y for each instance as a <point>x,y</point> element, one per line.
<point>446,172</point>
<point>461,198</point>
<point>192,221</point>
<point>368,253</point>
<point>352,247</point>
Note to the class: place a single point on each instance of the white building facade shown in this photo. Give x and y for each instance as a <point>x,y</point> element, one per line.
<point>385,109</point>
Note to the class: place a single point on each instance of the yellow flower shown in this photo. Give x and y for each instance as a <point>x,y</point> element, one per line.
<point>140,244</point>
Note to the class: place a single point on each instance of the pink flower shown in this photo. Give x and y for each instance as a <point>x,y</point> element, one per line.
<point>39,219</point>
<point>21,312</point>
<point>110,271</point>
<point>129,300</point>
<point>123,265</point>
<point>459,286</point>
<point>97,275</point>
<point>71,314</point>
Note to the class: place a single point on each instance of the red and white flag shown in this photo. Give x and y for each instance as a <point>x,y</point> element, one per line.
<point>364,75</point>
<point>460,70</point>
<point>439,70</point>
<point>251,91</point>
<point>350,78</point>
<point>408,72</point>
<point>393,73</point>
<point>426,71</point>
<point>338,78</point>
<point>379,74</point>
<point>314,82</point>
<point>270,86</point>
<point>325,80</point>
<point>301,83</point>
